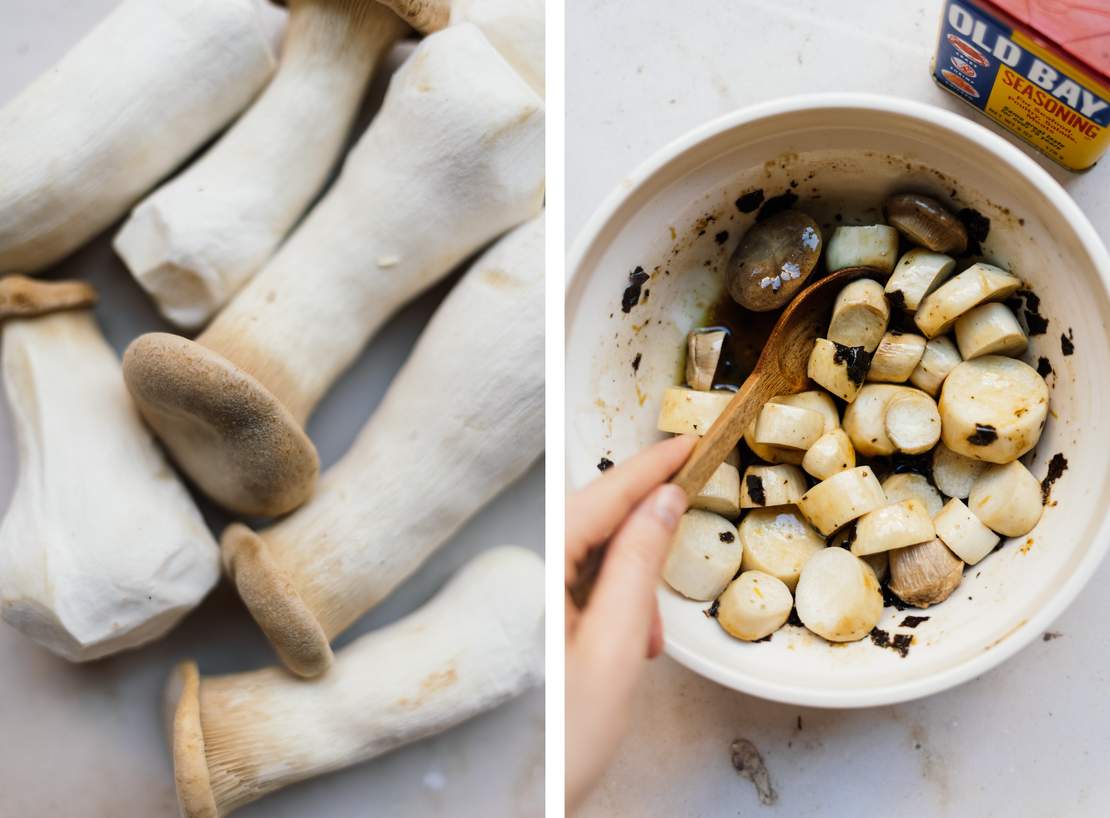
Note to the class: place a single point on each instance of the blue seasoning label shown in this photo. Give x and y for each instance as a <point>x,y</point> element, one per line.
<point>1039,95</point>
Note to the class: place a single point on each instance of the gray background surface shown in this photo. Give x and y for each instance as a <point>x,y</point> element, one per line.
<point>87,740</point>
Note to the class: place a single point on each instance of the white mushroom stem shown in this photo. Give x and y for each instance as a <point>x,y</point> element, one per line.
<point>197,239</point>
<point>689,411</point>
<point>131,101</point>
<point>476,645</point>
<point>860,315</point>
<point>515,27</point>
<point>102,548</point>
<point>874,246</point>
<point>454,158</point>
<point>842,498</point>
<point>462,420</point>
<point>939,358</point>
<point>896,357</point>
<point>704,555</point>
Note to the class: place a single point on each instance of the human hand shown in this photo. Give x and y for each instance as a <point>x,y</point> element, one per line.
<point>635,511</point>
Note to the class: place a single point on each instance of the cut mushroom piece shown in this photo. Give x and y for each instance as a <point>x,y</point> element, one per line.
<point>721,494</point>
<point>954,473</point>
<point>477,644</point>
<point>896,357</point>
<point>195,241</point>
<point>458,143</point>
<point>842,498</point>
<point>80,574</point>
<point>773,260</point>
<point>766,486</point>
<point>925,574</point>
<point>815,400</point>
<point>860,315</point>
<point>132,100</point>
<point>908,485</point>
<point>703,353</point>
<point>309,576</point>
<point>839,369</point>
<point>906,522</point>
<point>690,412</point>
<point>838,596</point>
<point>964,533</point>
<point>778,541</point>
<point>925,221</point>
<point>704,555</point>
<point>754,605</point>
<point>772,454</point>
<point>990,329</point>
<point>865,419</point>
<point>937,361</point>
<point>917,274</point>
<point>874,246</point>
<point>993,408</point>
<point>831,453</point>
<point>788,426</point>
<point>912,422</point>
<point>977,284</point>
<point>1007,499</point>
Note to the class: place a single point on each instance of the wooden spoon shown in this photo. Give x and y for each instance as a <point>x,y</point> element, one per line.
<point>780,370</point>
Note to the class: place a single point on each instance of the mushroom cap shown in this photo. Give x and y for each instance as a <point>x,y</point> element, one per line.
<point>225,429</point>
<point>273,601</point>
<point>190,764</point>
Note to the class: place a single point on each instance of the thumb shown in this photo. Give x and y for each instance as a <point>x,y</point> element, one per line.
<point>622,608</point>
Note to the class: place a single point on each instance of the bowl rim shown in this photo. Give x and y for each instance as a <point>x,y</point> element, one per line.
<point>1029,629</point>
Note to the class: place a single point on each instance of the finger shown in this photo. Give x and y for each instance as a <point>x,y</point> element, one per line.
<point>619,616</point>
<point>594,512</point>
<point>655,641</point>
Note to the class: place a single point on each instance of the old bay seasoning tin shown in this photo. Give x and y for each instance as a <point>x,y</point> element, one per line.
<point>1037,67</point>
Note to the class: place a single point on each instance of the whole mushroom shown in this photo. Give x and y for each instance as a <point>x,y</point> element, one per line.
<point>773,260</point>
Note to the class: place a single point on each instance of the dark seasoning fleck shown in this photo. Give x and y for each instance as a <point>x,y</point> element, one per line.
<point>711,611</point>
<point>751,200</point>
<point>636,361</point>
<point>721,237</point>
<point>899,643</point>
<point>727,536</point>
<point>977,226</point>
<point>1044,367</point>
<point>776,205</point>
<point>855,359</point>
<point>631,295</point>
<point>1056,467</point>
<point>1026,304</point>
<point>1067,342</point>
<point>984,435</point>
<point>604,464</point>
<point>755,489</point>
<point>912,621</point>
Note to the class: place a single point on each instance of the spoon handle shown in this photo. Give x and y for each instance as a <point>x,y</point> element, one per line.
<point>722,437</point>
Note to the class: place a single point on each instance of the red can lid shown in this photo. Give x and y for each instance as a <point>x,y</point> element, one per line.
<point>1078,27</point>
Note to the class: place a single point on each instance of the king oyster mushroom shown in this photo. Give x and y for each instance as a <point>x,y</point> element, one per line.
<point>773,260</point>
<point>925,221</point>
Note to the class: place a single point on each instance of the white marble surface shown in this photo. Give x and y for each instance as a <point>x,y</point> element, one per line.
<point>87,741</point>
<point>1031,738</point>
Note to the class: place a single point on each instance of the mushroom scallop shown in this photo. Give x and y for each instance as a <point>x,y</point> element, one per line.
<point>704,555</point>
<point>912,422</point>
<point>1007,499</point>
<point>838,596</point>
<point>874,246</point>
<point>963,532</point>
<point>754,605</point>
<point>917,274</point>
<point>908,485</point>
<point>993,408</point>
<point>721,494</point>
<point>897,525</point>
<point>989,329</point>
<point>773,260</point>
<point>926,222</point>
<point>788,426</point>
<point>954,473</point>
<point>689,411</point>
<point>778,541</point>
<point>766,486</point>
<point>864,419</point>
<point>842,498</point>
<point>829,454</point>
<point>703,353</point>
<point>896,357</point>
<point>938,359</point>
<point>860,315</point>
<point>977,284</point>
<point>838,368</point>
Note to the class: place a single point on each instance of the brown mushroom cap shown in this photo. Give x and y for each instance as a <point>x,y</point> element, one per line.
<point>926,222</point>
<point>23,297</point>
<point>225,429</point>
<point>273,601</point>
<point>773,260</point>
<point>190,762</point>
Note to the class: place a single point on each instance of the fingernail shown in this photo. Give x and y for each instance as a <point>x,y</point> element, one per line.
<point>668,504</point>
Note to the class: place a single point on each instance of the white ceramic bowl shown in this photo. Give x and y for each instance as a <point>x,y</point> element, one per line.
<point>847,152</point>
